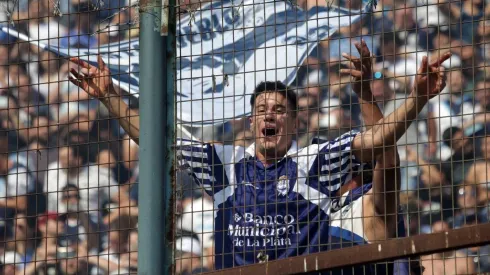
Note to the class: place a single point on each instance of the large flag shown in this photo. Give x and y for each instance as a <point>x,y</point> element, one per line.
<point>224,50</point>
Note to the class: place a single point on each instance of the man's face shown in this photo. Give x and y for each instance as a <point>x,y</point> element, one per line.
<point>273,123</point>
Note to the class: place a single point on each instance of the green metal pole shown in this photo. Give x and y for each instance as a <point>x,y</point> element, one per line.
<point>157,68</point>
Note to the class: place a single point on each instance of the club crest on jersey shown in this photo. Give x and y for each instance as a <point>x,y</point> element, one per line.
<point>282,186</point>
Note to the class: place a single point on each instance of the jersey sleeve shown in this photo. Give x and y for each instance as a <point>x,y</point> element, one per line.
<point>336,164</point>
<point>204,162</point>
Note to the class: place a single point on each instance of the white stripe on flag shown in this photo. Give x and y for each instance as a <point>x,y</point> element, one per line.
<point>205,176</point>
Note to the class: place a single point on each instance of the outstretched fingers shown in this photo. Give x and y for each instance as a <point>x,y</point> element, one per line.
<point>352,72</point>
<point>424,67</point>
<point>80,62</point>
<point>354,62</point>
<point>441,59</point>
<point>363,49</point>
<point>77,79</point>
<point>350,57</point>
<point>100,61</point>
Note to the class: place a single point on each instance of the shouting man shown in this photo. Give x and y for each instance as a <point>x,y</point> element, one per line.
<point>273,200</point>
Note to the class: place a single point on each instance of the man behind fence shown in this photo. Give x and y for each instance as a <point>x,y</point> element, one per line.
<point>272,199</point>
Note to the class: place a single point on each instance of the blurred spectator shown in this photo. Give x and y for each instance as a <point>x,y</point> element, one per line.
<point>451,262</point>
<point>45,74</point>
<point>462,155</point>
<point>447,110</point>
<point>131,255</point>
<point>196,216</point>
<point>10,261</point>
<point>484,39</point>
<point>16,181</point>
<point>41,26</point>
<point>21,249</point>
<point>482,101</point>
<point>188,255</point>
<point>428,13</point>
<point>79,226</point>
<point>117,244</point>
<point>67,263</point>
<point>468,13</point>
<point>107,159</point>
<point>467,211</point>
<point>96,184</point>
<point>81,28</point>
<point>477,174</point>
<point>430,187</point>
<point>479,255</point>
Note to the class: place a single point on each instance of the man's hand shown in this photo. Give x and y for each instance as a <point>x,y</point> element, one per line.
<point>361,69</point>
<point>430,80</point>
<point>95,81</point>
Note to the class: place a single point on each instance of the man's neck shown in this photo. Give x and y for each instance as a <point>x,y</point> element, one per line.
<point>270,157</point>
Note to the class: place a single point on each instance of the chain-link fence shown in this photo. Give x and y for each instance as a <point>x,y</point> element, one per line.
<point>312,132</point>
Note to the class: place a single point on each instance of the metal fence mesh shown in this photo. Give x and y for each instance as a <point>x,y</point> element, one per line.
<point>283,175</point>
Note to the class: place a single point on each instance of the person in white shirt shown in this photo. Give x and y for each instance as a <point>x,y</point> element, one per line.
<point>96,184</point>
<point>449,109</point>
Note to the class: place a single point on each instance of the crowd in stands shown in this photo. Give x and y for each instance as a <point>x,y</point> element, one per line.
<point>69,183</point>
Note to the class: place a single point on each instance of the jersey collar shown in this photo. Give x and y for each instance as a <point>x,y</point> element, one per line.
<point>250,151</point>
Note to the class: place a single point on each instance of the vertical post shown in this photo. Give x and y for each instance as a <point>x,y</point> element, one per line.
<point>157,68</point>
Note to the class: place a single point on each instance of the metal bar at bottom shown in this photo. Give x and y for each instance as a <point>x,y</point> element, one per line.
<point>157,67</point>
<point>384,251</point>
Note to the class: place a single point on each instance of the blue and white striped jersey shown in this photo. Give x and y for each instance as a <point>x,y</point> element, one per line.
<point>270,212</point>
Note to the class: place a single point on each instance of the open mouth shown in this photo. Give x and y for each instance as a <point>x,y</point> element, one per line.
<point>269,132</point>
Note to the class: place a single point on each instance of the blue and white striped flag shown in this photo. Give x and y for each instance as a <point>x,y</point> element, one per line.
<point>224,50</point>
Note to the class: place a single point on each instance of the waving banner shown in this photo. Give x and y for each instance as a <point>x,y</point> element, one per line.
<point>224,50</point>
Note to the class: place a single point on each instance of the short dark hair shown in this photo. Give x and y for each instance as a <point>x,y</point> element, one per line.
<point>278,87</point>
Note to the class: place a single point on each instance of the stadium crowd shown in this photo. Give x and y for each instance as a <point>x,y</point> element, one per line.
<point>68,185</point>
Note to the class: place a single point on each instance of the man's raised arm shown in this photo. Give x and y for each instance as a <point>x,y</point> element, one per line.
<point>97,82</point>
<point>385,176</point>
<point>429,82</point>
